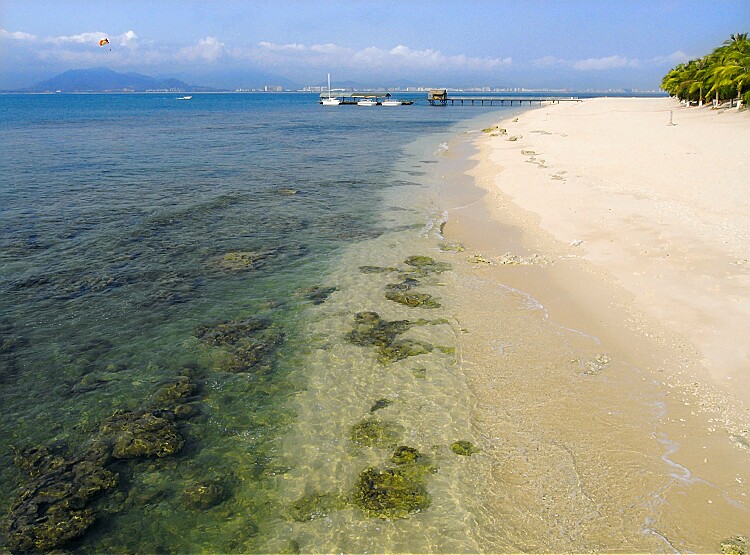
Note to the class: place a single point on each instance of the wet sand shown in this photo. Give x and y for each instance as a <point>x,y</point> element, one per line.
<point>603,297</point>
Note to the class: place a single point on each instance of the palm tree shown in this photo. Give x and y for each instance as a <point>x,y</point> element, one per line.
<point>699,77</point>
<point>737,68</point>
<point>672,81</point>
<point>694,78</point>
<point>724,73</point>
<point>730,67</point>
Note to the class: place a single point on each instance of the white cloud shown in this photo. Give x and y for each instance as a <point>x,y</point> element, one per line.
<point>82,38</point>
<point>16,35</point>
<point>589,64</point>
<point>548,61</point>
<point>209,49</point>
<point>328,48</point>
<point>609,62</point>
<point>128,39</point>
<point>673,59</point>
<point>128,49</point>
<point>398,57</point>
<point>282,47</point>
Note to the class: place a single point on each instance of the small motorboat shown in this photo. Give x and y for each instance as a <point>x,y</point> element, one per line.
<point>367,102</point>
<point>390,102</point>
<point>184,97</point>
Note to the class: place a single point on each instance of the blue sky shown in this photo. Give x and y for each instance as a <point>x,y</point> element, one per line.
<point>574,44</point>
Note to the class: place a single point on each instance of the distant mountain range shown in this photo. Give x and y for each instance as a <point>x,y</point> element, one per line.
<point>101,79</point>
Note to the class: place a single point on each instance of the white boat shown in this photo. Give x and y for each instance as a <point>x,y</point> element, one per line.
<point>367,102</point>
<point>330,101</point>
<point>391,103</point>
<point>184,97</point>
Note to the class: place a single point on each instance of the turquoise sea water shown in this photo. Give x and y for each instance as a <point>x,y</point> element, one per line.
<point>131,226</point>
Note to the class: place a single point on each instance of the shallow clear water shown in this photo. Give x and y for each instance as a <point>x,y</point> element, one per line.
<point>117,213</point>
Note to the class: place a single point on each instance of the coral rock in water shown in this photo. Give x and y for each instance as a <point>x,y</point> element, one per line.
<point>241,261</point>
<point>375,432</point>
<point>142,434</point>
<point>463,447</point>
<point>371,329</point>
<point>380,404</point>
<point>204,495</point>
<point>399,350</point>
<point>390,493</point>
<point>738,545</point>
<point>230,332</point>
<point>315,505</point>
<point>427,265</point>
<point>53,508</point>
<point>411,298</point>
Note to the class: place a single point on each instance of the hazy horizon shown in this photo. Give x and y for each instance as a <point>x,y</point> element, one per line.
<point>578,45</point>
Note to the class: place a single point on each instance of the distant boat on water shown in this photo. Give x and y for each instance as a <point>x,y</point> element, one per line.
<point>184,97</point>
<point>330,101</point>
<point>391,103</point>
<point>367,102</point>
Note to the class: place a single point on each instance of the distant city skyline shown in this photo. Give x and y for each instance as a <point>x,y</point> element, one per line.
<point>584,44</point>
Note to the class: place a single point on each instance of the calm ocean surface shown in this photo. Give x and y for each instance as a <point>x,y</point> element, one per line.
<point>178,287</point>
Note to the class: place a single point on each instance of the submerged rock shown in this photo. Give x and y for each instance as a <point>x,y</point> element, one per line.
<point>409,282</point>
<point>315,505</point>
<point>371,329</point>
<point>373,432</point>
<point>738,545</point>
<point>229,332</point>
<point>448,247</point>
<point>413,299</point>
<point>464,448</point>
<point>390,493</point>
<point>253,354</point>
<point>248,344</point>
<point>427,265</point>
<point>205,494</point>
<point>242,261</point>
<point>377,269</point>
<point>318,295</point>
<point>479,259</point>
<point>380,404</point>
<point>142,434</point>
<point>177,392</point>
<point>404,348</point>
<point>410,455</point>
<point>53,508</point>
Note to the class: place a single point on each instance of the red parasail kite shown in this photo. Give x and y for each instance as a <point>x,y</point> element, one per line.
<point>103,42</point>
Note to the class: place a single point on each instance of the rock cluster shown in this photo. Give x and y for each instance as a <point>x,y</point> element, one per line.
<point>371,330</point>
<point>55,505</point>
<point>246,345</point>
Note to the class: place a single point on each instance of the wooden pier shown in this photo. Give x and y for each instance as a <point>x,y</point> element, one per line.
<point>439,97</point>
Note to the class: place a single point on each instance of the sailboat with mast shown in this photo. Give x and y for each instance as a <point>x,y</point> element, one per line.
<point>331,100</point>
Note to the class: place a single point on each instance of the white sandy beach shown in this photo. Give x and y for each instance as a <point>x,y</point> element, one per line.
<point>663,209</point>
<point>631,235</point>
